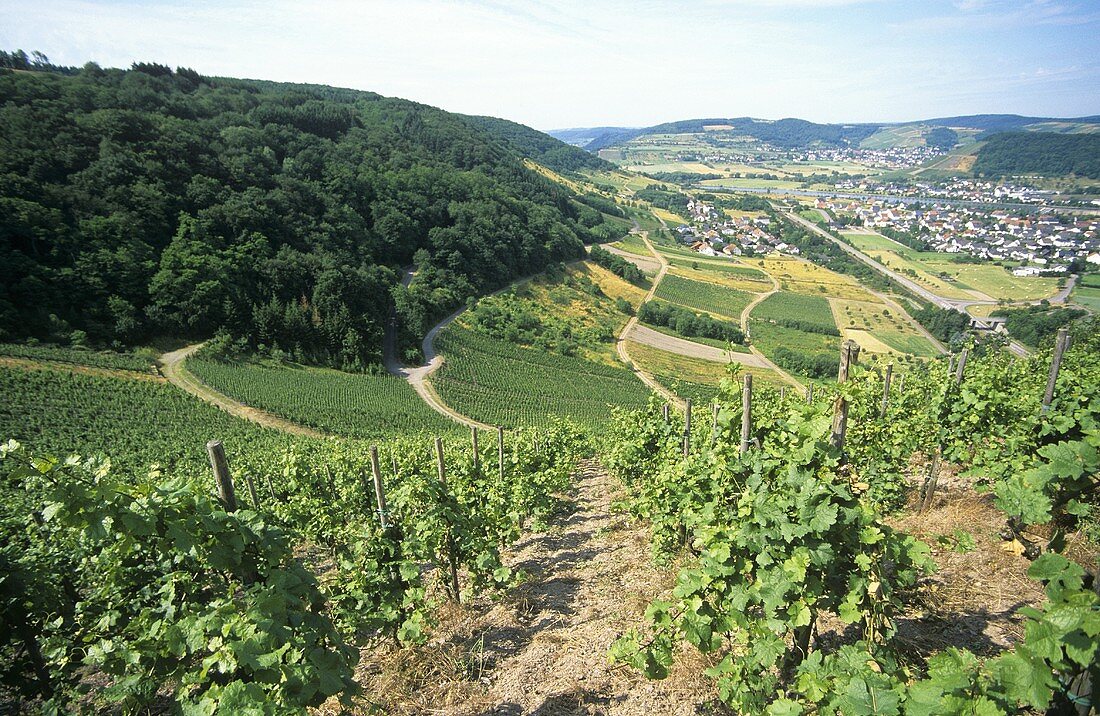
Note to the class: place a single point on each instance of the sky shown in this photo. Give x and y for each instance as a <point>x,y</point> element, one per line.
<point>583,63</point>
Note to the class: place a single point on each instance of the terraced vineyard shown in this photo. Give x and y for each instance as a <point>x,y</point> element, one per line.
<point>79,356</point>
<point>137,422</point>
<point>498,383</point>
<point>350,404</point>
<point>709,297</point>
<point>797,310</point>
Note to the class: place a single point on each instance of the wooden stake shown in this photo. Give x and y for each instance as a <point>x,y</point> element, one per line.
<point>961,366</point>
<point>270,487</point>
<point>886,390</point>
<point>810,394</point>
<point>746,413</point>
<point>664,412</point>
<point>452,550</point>
<point>1060,345</point>
<point>379,491</point>
<point>252,491</point>
<point>500,451</point>
<point>901,383</point>
<point>931,482</point>
<point>782,393</point>
<point>224,480</point>
<point>714,423</point>
<point>849,354</point>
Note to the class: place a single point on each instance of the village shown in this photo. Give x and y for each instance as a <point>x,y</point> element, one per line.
<point>1042,242</point>
<point>955,189</point>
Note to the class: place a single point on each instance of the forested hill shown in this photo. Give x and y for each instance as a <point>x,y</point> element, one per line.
<point>543,148</point>
<point>152,201</point>
<point>1012,153</point>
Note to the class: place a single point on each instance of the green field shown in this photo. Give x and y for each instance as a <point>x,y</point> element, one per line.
<point>349,404</point>
<point>786,307</point>
<point>499,383</point>
<point>709,297</point>
<point>944,276</point>
<point>912,343</point>
<point>633,244</point>
<point>141,362</point>
<point>137,422</point>
<point>1087,296</point>
<point>720,266</point>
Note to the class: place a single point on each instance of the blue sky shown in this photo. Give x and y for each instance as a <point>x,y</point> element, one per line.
<point>573,63</point>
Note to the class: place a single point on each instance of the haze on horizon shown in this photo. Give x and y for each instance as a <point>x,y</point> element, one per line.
<point>565,64</point>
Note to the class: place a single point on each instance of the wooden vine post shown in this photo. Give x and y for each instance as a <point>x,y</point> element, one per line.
<point>931,482</point>
<point>901,384</point>
<point>252,491</point>
<point>746,413</point>
<point>1061,344</point>
<point>452,551</point>
<point>500,451</point>
<point>961,366</point>
<point>714,408</point>
<point>810,394</point>
<point>849,354</point>
<point>664,412</point>
<point>886,390</point>
<point>687,428</point>
<point>782,393</point>
<point>379,491</point>
<point>477,454</point>
<point>222,478</point>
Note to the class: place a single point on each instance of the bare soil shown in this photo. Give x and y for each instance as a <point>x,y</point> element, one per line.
<point>542,648</point>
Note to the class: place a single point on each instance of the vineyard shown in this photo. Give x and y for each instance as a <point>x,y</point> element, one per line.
<point>794,586</point>
<point>256,601</point>
<point>348,404</point>
<point>137,422</point>
<point>79,356</point>
<point>498,383</point>
<point>797,310</point>
<point>702,296</point>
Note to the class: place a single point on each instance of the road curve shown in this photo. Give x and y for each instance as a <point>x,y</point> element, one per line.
<point>172,367</point>
<point>681,346</point>
<point>620,342</point>
<point>765,361</point>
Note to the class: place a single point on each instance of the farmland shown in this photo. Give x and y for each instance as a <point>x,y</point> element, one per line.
<point>946,277</point>
<point>500,383</point>
<point>672,369</point>
<point>787,308</point>
<point>709,297</point>
<point>137,422</point>
<point>111,360</point>
<point>800,276</point>
<point>348,404</point>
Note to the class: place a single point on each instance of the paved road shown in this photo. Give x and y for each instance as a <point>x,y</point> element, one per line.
<point>172,368</point>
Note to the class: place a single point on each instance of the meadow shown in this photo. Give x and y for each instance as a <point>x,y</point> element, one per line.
<point>801,276</point>
<point>500,383</point>
<point>709,297</point>
<point>346,404</point>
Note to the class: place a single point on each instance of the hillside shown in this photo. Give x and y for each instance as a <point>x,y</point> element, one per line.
<point>1045,153</point>
<point>798,133</point>
<point>142,202</point>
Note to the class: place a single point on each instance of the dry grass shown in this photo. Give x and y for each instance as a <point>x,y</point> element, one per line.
<point>542,647</point>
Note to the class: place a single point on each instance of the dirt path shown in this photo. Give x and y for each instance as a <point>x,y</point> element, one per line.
<point>643,262</point>
<point>620,343</point>
<point>681,346</point>
<point>37,364</point>
<point>172,368</point>
<point>543,649</point>
<point>765,362</point>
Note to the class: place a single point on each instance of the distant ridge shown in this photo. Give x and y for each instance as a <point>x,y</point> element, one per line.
<point>792,133</point>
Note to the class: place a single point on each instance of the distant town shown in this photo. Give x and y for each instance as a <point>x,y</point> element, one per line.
<point>1041,241</point>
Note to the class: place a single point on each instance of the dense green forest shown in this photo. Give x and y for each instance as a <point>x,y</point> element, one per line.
<point>1036,323</point>
<point>1043,153</point>
<point>152,201</point>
